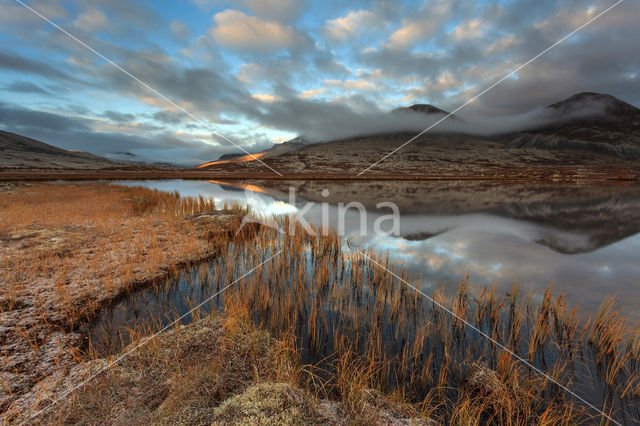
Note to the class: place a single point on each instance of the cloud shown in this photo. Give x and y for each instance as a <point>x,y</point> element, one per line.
<point>397,64</point>
<point>271,65</point>
<point>273,10</point>
<point>468,30</point>
<point>350,25</point>
<point>25,87</point>
<point>312,93</point>
<point>12,116</point>
<point>264,97</point>
<point>119,117</point>
<point>360,85</point>
<point>206,93</point>
<point>179,29</point>
<point>168,118</point>
<point>92,20</point>
<point>73,132</point>
<point>279,10</point>
<point>412,32</point>
<point>12,61</point>
<point>423,26</point>
<point>14,14</point>
<point>236,30</point>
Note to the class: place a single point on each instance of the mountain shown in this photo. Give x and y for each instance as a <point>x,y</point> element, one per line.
<point>300,142</point>
<point>231,156</point>
<point>590,122</point>
<point>604,107</point>
<point>422,108</point>
<point>275,150</point>
<point>590,135</point>
<point>21,152</point>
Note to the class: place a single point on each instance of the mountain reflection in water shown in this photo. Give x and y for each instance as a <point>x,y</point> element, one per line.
<point>582,239</point>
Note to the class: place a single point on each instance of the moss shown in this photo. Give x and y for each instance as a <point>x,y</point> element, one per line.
<point>268,404</point>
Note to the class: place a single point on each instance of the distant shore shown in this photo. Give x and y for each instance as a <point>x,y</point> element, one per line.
<point>538,174</point>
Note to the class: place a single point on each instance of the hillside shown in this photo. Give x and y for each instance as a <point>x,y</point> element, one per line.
<point>21,152</point>
<point>588,121</point>
<point>591,135</point>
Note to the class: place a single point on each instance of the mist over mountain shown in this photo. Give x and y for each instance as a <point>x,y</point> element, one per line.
<point>346,123</point>
<point>587,122</point>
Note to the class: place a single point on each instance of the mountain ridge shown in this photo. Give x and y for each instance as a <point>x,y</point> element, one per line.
<point>18,151</point>
<point>591,123</point>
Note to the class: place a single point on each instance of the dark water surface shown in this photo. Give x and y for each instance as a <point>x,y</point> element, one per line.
<point>583,240</point>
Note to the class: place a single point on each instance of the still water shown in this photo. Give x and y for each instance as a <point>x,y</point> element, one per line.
<point>582,240</point>
<point>585,241</point>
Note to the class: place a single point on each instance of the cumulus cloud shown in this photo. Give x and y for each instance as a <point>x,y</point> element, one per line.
<point>312,93</point>
<point>237,30</point>
<point>468,30</point>
<point>421,26</point>
<point>411,32</point>
<point>265,97</point>
<point>274,10</point>
<point>352,84</point>
<point>350,25</point>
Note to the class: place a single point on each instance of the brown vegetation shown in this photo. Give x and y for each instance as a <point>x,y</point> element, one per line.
<point>217,370</point>
<point>67,250</point>
<point>319,323</point>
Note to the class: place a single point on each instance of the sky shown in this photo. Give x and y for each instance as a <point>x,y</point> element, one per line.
<point>257,72</point>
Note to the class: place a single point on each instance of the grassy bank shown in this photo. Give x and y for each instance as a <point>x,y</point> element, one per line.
<point>68,250</point>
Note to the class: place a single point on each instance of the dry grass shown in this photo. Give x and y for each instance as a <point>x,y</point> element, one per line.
<point>350,332</point>
<point>217,370</point>
<point>333,326</point>
<point>67,250</point>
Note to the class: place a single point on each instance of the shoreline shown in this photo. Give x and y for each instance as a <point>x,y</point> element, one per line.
<point>533,175</point>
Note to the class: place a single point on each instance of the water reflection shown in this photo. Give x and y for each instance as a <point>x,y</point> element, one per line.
<point>585,241</point>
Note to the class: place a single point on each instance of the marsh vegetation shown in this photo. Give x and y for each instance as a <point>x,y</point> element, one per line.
<point>336,331</point>
<point>68,250</point>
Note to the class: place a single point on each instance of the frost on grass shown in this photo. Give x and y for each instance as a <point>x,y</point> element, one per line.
<point>266,404</point>
<point>67,250</point>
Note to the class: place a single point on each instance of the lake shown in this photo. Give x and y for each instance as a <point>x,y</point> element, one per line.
<point>583,240</point>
